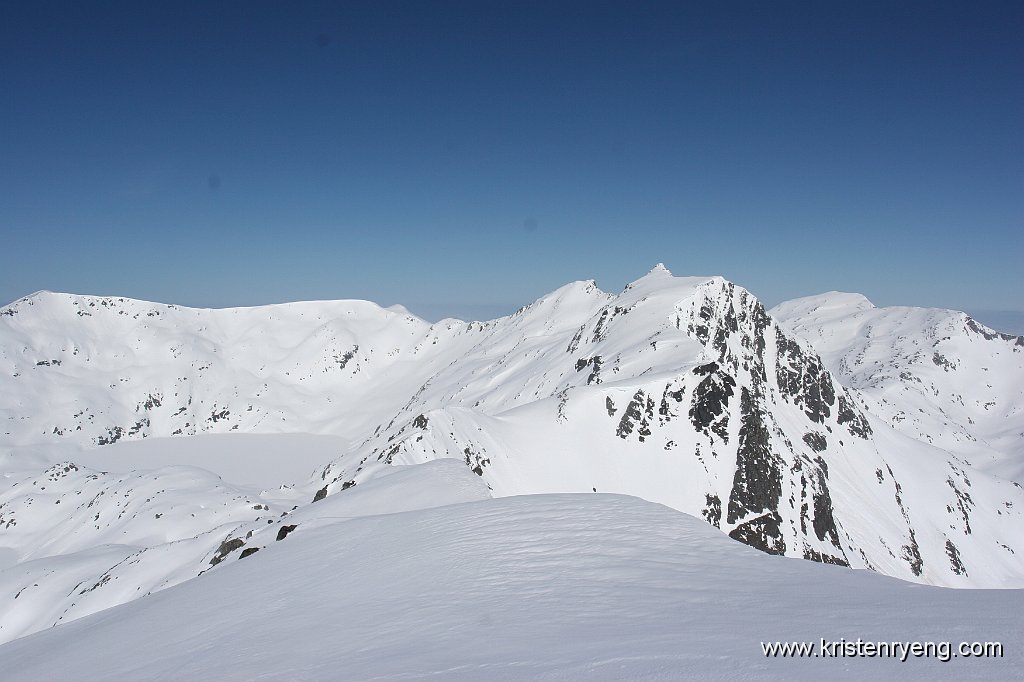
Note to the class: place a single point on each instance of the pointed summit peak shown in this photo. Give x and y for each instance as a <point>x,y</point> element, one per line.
<point>659,273</point>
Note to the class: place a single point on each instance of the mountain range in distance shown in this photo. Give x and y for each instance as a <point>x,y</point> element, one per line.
<point>145,445</point>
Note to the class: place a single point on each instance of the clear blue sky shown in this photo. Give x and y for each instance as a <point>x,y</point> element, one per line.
<point>468,157</point>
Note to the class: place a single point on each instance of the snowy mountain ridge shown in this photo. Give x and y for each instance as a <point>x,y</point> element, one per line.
<point>936,375</point>
<point>682,391</point>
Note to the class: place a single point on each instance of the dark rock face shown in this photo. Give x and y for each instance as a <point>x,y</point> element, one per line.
<point>113,435</point>
<point>856,423</point>
<point>824,524</point>
<point>248,551</point>
<point>600,329</point>
<point>814,555</point>
<point>912,555</point>
<point>59,471</point>
<point>954,558</point>
<point>226,547</point>
<point>710,401</point>
<point>758,320</point>
<point>757,484</point>
<point>343,360</point>
<point>639,412</point>
<point>476,461</point>
<point>991,336</point>
<point>735,326</point>
<point>575,343</point>
<point>713,510</point>
<point>320,494</point>
<point>763,533</point>
<point>803,380</point>
<point>815,441</point>
<point>217,415</point>
<point>704,370</point>
<point>942,361</point>
<point>283,531</point>
<point>665,408</point>
<point>594,362</point>
<point>964,504</point>
<point>911,552</point>
<point>727,313</point>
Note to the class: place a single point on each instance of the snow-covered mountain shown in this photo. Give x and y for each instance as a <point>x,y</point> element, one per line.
<point>935,375</point>
<point>681,391</point>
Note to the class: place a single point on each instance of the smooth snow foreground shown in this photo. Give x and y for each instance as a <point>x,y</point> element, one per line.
<point>556,587</point>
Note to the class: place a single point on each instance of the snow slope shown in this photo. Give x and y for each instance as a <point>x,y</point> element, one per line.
<point>560,587</point>
<point>263,461</point>
<point>120,537</point>
<point>935,375</point>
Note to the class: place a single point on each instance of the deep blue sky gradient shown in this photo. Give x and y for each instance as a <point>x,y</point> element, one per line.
<point>465,158</point>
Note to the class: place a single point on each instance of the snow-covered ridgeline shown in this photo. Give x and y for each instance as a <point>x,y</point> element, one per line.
<point>683,391</point>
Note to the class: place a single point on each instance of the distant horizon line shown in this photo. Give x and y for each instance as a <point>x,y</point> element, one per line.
<point>999,319</point>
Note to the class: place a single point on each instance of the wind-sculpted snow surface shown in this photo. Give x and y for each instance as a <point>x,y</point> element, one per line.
<point>560,587</point>
<point>682,391</point>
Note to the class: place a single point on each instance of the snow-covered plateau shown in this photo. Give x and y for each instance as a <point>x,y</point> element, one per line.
<point>335,490</point>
